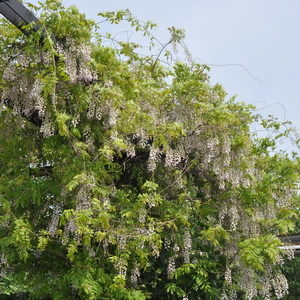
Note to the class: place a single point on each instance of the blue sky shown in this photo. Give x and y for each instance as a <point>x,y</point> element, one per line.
<point>253,46</point>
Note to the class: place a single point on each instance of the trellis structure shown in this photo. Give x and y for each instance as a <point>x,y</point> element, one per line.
<point>292,241</point>
<point>18,14</point>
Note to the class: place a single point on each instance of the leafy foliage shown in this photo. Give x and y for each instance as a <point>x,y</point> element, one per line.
<point>124,178</point>
<point>291,271</point>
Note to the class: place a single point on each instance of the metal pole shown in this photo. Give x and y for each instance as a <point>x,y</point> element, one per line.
<point>18,14</point>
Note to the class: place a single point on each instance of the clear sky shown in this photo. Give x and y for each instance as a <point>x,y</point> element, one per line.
<point>253,46</point>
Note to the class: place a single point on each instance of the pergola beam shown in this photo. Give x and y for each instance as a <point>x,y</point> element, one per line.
<point>18,14</point>
<point>292,242</point>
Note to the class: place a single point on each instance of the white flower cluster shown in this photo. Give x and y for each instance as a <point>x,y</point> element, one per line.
<point>77,59</point>
<point>47,128</point>
<point>75,119</point>
<point>171,266</point>
<point>155,250</point>
<point>154,157</point>
<point>210,150</point>
<point>3,265</point>
<point>121,242</point>
<point>266,288</point>
<point>227,275</point>
<point>247,284</point>
<point>289,253</point>
<point>216,155</point>
<point>95,111</point>
<point>10,73</point>
<point>83,197</point>
<point>187,247</point>
<point>103,111</point>
<point>229,212</point>
<point>226,149</point>
<point>283,197</point>
<point>135,275</point>
<point>167,243</point>
<point>54,221</point>
<point>83,201</point>
<point>172,159</point>
<point>142,215</point>
<point>280,285</point>
<point>91,252</point>
<point>234,217</point>
<point>25,98</point>
<point>266,283</point>
<point>142,137</point>
<point>121,267</point>
<point>130,151</point>
<point>176,248</point>
<point>112,117</point>
<point>70,228</point>
<point>108,84</point>
<point>105,246</point>
<point>268,213</point>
